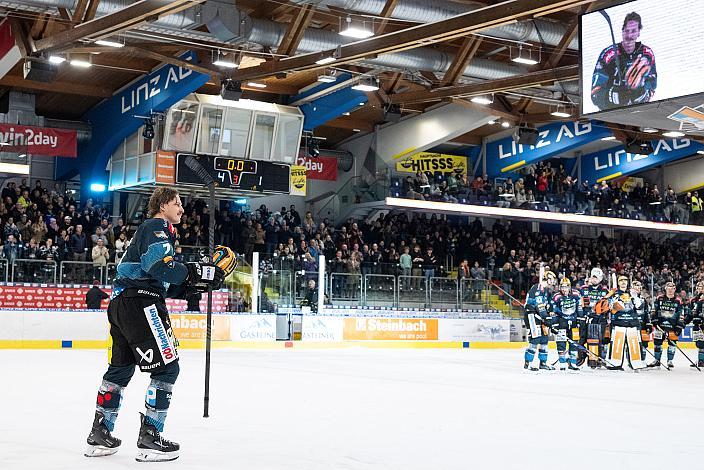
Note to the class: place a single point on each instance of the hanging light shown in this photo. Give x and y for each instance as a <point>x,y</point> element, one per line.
<point>526,58</point>
<point>109,43</point>
<point>57,59</point>
<point>358,28</point>
<point>483,99</point>
<point>367,84</point>
<point>256,85</point>
<point>673,134</point>
<point>561,112</point>
<point>80,60</point>
<point>327,77</point>
<point>221,60</point>
<point>329,57</point>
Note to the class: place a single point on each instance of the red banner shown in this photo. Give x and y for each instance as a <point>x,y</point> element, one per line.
<point>38,140</point>
<point>74,298</point>
<point>321,168</point>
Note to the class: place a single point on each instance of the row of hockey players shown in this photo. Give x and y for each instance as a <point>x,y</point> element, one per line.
<point>607,326</point>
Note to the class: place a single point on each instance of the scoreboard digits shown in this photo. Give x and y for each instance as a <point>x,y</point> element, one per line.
<point>238,174</point>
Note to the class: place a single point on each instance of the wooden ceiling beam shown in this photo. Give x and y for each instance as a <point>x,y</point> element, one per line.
<point>542,77</point>
<point>466,53</point>
<point>414,37</point>
<point>92,10</point>
<point>295,31</point>
<point>386,12</point>
<point>121,20</point>
<point>79,12</point>
<point>56,87</point>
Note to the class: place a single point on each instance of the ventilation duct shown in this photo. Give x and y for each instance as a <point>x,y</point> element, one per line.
<point>226,23</point>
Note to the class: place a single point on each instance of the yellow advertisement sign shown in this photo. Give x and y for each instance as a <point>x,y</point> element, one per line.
<point>193,326</point>
<point>410,329</point>
<point>426,161</point>
<point>298,181</point>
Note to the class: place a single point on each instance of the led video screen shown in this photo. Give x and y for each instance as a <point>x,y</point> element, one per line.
<point>641,52</point>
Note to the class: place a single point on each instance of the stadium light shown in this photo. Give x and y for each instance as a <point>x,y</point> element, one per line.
<point>356,29</point>
<point>107,43</point>
<point>526,59</point>
<point>483,99</point>
<point>97,187</point>
<point>673,134</point>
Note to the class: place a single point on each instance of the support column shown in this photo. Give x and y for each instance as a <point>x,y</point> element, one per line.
<point>255,282</point>
<point>321,283</point>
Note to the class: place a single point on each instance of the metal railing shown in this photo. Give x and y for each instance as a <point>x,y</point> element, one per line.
<point>379,290</point>
<point>33,270</point>
<point>346,287</point>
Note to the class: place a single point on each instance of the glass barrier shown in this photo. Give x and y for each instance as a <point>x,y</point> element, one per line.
<point>379,290</point>
<point>443,292</point>
<point>346,287</point>
<point>412,291</point>
<point>33,271</point>
<point>4,271</point>
<point>276,287</point>
<point>80,272</point>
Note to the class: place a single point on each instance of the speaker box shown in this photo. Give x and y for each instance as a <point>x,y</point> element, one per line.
<point>39,71</point>
<point>526,136</point>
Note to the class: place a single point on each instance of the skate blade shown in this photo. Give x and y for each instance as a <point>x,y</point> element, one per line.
<point>150,455</point>
<point>99,451</point>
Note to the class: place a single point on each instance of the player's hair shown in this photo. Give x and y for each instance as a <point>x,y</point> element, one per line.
<point>160,196</point>
<point>632,16</point>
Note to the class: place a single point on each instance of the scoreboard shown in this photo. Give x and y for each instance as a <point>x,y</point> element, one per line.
<point>237,173</point>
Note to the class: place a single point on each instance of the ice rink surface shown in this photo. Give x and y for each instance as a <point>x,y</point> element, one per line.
<point>362,409</point>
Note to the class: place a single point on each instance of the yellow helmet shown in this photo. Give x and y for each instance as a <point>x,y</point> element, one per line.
<point>550,278</point>
<point>565,282</point>
<point>225,259</point>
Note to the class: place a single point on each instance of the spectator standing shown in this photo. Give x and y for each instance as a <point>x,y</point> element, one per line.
<point>95,296</point>
<point>100,255</point>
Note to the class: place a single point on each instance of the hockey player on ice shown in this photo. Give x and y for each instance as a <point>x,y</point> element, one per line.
<point>625,323</point>
<point>592,329</point>
<point>695,315</point>
<point>538,318</point>
<point>643,310</point>
<point>567,308</point>
<point>668,321</point>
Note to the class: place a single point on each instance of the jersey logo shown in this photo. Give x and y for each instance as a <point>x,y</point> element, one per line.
<point>146,356</point>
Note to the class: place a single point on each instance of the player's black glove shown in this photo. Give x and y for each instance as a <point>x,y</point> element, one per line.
<point>648,328</point>
<point>204,275</point>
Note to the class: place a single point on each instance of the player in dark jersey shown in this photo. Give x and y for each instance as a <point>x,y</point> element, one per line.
<point>593,325</point>
<point>625,73</point>
<point>567,308</point>
<point>538,318</point>
<point>695,315</point>
<point>668,321</point>
<point>625,323</point>
<point>140,329</point>
<point>643,310</point>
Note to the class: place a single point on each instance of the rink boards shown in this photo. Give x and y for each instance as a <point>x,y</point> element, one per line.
<point>40,329</point>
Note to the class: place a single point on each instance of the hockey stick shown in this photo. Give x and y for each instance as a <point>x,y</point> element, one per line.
<point>679,349</point>
<point>583,349</point>
<point>664,365</point>
<point>192,163</point>
<point>613,42</point>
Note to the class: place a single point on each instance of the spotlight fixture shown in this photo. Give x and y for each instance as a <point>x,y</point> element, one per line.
<point>673,134</point>
<point>313,147</point>
<point>256,85</point>
<point>108,43</point>
<point>526,58</point>
<point>608,138</point>
<point>649,130</point>
<point>148,132</point>
<point>221,60</point>
<point>57,59</point>
<point>700,152</point>
<point>505,124</point>
<point>231,90</point>
<point>80,60</point>
<point>367,84</point>
<point>357,28</point>
<point>483,99</point>
<point>491,123</point>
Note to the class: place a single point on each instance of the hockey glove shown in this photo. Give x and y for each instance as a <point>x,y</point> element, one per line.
<point>648,328</point>
<point>204,275</point>
<point>637,72</point>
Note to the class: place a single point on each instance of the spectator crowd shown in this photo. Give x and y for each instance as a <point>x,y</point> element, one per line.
<point>547,187</point>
